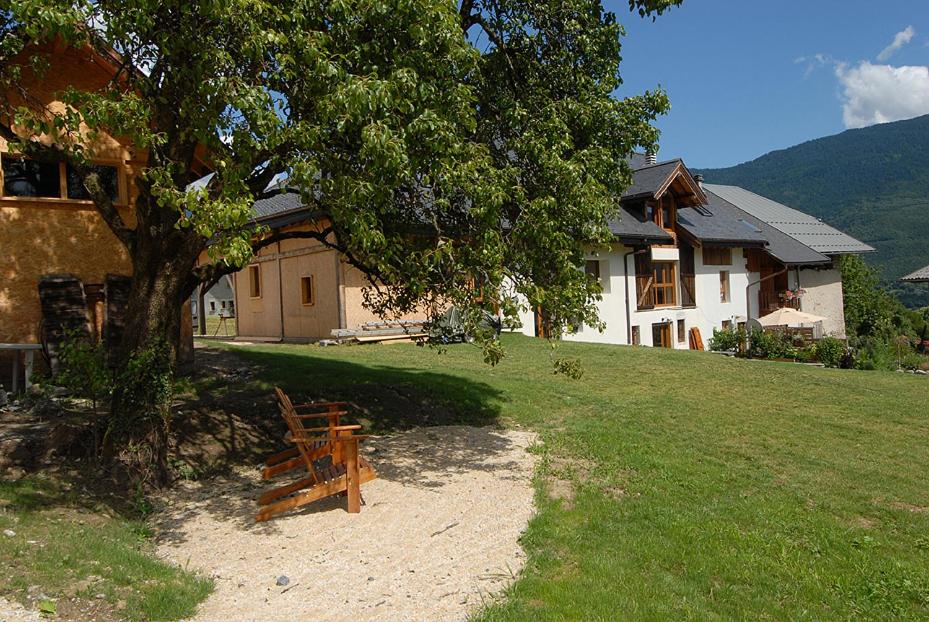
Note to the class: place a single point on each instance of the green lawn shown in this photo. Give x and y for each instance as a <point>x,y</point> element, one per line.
<point>705,487</point>
<point>57,544</point>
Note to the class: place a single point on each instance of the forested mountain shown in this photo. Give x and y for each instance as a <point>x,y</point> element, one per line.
<point>872,183</point>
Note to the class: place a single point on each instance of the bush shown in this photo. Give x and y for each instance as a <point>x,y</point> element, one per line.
<point>770,345</point>
<point>725,340</point>
<point>829,351</point>
<point>82,369</point>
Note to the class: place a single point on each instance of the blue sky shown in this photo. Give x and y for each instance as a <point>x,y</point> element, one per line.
<point>749,76</point>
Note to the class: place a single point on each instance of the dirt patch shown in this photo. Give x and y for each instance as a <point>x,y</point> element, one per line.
<point>909,507</point>
<point>560,490</point>
<point>438,534</point>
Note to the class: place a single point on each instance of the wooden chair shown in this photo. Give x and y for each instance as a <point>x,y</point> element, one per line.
<point>288,459</point>
<point>346,470</point>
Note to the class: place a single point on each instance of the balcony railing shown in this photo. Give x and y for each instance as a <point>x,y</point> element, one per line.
<point>769,302</point>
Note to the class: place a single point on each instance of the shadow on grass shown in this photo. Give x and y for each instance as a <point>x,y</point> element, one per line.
<point>247,425</point>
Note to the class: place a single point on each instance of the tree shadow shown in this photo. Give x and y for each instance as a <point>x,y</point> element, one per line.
<point>428,425</point>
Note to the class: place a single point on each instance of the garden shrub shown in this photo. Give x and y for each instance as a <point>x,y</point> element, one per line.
<point>829,351</point>
<point>82,369</point>
<point>725,340</point>
<point>770,345</point>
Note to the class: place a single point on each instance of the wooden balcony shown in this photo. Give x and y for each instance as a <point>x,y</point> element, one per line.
<point>769,302</point>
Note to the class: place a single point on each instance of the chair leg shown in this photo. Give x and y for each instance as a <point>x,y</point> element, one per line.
<point>353,476</point>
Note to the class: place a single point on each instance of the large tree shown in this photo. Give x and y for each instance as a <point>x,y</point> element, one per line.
<point>443,143</point>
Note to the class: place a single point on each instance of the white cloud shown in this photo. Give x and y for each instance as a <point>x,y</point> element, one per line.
<point>882,93</point>
<point>900,39</point>
<point>813,63</point>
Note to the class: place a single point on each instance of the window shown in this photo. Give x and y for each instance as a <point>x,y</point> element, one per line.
<point>592,269</point>
<point>23,177</point>
<point>655,283</point>
<point>664,286</point>
<point>254,281</point>
<point>109,180</point>
<point>724,286</point>
<point>715,256</point>
<point>307,295</point>
<point>727,325</point>
<point>681,331</point>
<point>30,178</point>
<point>636,336</point>
<point>212,306</point>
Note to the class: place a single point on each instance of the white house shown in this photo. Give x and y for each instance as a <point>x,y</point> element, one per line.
<point>692,256</point>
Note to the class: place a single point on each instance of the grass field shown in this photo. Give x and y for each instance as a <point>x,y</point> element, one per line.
<point>64,554</point>
<point>703,487</point>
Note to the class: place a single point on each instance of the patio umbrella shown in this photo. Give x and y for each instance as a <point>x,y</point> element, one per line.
<point>789,317</point>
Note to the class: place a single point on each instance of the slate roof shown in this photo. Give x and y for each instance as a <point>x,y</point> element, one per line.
<point>720,223</point>
<point>632,227</point>
<point>920,276</point>
<point>781,246</point>
<point>648,179</point>
<point>277,204</point>
<point>803,228</point>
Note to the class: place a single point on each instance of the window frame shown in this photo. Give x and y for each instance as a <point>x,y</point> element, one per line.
<point>254,281</point>
<point>665,286</point>
<point>681,331</point>
<point>308,286</point>
<point>725,290</point>
<point>121,182</point>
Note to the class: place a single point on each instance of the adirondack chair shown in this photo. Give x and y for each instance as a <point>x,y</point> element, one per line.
<point>289,459</point>
<point>345,472</point>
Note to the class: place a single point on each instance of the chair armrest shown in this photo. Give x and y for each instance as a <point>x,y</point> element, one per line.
<point>322,404</point>
<point>331,439</point>
<point>335,428</point>
<point>337,413</point>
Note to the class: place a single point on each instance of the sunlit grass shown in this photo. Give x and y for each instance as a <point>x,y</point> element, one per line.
<point>705,487</point>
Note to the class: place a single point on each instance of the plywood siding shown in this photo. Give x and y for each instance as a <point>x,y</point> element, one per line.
<point>44,236</point>
<point>354,284</point>
<point>259,316</point>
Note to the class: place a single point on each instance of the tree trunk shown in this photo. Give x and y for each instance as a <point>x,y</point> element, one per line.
<point>137,440</point>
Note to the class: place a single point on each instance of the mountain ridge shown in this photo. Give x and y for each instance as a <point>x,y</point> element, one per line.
<point>871,182</point>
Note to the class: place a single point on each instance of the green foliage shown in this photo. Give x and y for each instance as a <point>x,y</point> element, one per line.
<point>416,128</point>
<point>870,311</point>
<point>869,182</point>
<point>829,351</point>
<point>764,344</point>
<point>82,369</point>
<point>726,340</point>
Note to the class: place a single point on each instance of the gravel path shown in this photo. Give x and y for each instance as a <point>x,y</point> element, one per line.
<point>14,612</point>
<point>437,536</point>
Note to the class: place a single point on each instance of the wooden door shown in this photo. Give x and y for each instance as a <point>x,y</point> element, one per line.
<point>661,335</point>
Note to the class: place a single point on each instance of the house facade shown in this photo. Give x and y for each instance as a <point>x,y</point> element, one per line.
<point>298,290</point>
<point>50,231</point>
<point>688,255</point>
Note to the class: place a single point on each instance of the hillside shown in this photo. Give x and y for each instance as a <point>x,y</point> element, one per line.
<point>872,183</point>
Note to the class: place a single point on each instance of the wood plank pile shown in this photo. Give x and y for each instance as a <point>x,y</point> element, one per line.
<point>372,332</point>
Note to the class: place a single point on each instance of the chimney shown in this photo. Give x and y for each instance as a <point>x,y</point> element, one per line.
<point>699,179</point>
<point>651,157</point>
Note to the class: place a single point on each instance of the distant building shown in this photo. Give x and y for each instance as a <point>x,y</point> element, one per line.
<point>691,255</point>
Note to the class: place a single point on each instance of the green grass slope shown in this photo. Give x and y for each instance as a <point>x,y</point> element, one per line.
<point>704,487</point>
<point>872,183</point>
